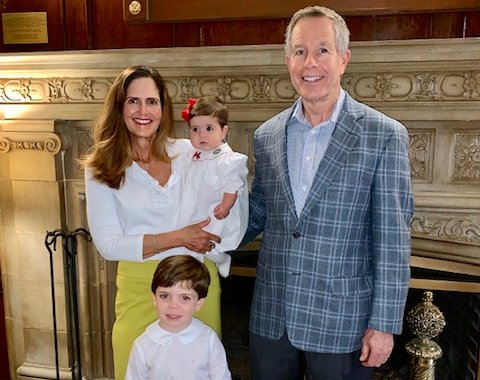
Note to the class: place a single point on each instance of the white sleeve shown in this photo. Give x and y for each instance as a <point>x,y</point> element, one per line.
<point>137,367</point>
<point>104,224</point>
<point>218,365</point>
<point>233,173</point>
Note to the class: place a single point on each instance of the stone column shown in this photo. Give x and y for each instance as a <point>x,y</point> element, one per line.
<point>30,205</point>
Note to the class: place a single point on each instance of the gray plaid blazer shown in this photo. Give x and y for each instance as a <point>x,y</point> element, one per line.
<point>342,265</point>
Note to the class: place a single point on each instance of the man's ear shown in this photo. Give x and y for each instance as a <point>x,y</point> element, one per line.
<point>345,59</point>
<point>154,299</point>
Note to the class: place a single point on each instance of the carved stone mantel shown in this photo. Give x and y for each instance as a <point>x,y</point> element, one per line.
<point>49,101</point>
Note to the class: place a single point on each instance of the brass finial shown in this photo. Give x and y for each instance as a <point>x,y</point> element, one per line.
<point>426,321</point>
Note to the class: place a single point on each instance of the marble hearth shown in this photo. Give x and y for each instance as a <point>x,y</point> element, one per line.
<point>48,102</point>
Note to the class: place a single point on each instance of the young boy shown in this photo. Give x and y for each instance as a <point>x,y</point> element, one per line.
<point>177,345</point>
<point>216,180</point>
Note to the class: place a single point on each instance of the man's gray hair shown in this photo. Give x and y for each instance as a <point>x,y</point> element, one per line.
<point>342,34</point>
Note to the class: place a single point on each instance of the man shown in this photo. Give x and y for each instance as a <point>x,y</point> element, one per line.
<point>332,196</point>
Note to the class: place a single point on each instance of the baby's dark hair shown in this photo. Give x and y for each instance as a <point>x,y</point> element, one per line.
<point>210,106</point>
<point>182,268</point>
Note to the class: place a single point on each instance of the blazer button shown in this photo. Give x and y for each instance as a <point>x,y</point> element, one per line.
<point>296,235</point>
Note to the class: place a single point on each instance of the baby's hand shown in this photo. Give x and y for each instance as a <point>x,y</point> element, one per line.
<point>221,212</point>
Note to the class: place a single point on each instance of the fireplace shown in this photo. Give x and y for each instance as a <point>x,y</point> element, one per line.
<point>48,102</point>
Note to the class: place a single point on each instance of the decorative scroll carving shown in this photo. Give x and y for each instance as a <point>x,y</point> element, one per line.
<point>48,142</point>
<point>262,88</point>
<point>426,88</point>
<point>189,88</point>
<point>466,157</point>
<point>420,153</point>
<point>458,229</point>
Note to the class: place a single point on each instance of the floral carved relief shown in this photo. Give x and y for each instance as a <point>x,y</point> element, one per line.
<point>471,85</point>
<point>466,158</point>
<point>420,154</point>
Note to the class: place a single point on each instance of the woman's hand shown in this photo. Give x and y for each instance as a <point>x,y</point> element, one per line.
<point>198,240</point>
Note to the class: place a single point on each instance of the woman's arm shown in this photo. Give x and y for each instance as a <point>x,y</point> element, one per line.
<point>105,225</point>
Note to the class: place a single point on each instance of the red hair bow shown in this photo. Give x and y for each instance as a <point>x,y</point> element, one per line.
<point>187,109</point>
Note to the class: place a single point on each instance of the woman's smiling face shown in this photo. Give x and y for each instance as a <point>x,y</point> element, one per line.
<point>142,110</point>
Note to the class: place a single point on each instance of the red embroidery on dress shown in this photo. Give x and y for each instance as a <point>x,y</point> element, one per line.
<point>196,155</point>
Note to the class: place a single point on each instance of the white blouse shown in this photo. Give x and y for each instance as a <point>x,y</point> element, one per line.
<point>119,218</point>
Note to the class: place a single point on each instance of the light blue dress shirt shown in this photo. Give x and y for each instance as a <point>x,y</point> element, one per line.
<point>306,146</point>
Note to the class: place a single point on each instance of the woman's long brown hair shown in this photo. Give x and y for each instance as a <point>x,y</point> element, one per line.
<point>111,152</point>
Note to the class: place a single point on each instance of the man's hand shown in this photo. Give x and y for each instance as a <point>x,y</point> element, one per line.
<point>376,348</point>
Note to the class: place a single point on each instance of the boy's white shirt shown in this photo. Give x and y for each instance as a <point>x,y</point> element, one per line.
<point>195,353</point>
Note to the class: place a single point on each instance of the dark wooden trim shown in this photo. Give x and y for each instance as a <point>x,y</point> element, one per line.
<point>194,10</point>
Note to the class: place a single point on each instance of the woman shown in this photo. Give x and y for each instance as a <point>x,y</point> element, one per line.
<point>133,189</point>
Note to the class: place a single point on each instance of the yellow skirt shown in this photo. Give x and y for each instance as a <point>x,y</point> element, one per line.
<point>134,308</point>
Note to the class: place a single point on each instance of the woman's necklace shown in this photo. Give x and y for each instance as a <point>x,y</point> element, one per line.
<point>144,163</point>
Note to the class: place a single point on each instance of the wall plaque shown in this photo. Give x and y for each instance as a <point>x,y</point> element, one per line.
<point>25,28</point>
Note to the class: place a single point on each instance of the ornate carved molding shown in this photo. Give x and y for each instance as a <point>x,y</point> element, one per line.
<point>54,90</point>
<point>394,86</point>
<point>381,86</point>
<point>48,142</point>
<point>464,229</point>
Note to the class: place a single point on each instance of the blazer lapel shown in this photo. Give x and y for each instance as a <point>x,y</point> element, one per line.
<point>345,135</point>
<point>281,157</point>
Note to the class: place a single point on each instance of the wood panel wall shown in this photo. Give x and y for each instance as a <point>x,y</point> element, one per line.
<point>99,24</point>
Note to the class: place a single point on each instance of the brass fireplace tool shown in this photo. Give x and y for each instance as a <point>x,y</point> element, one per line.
<point>426,321</point>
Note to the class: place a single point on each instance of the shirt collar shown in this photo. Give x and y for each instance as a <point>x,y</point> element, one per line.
<point>165,337</point>
<point>300,116</point>
<point>202,155</point>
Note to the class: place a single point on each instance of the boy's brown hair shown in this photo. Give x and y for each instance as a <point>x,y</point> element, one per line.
<point>185,269</point>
